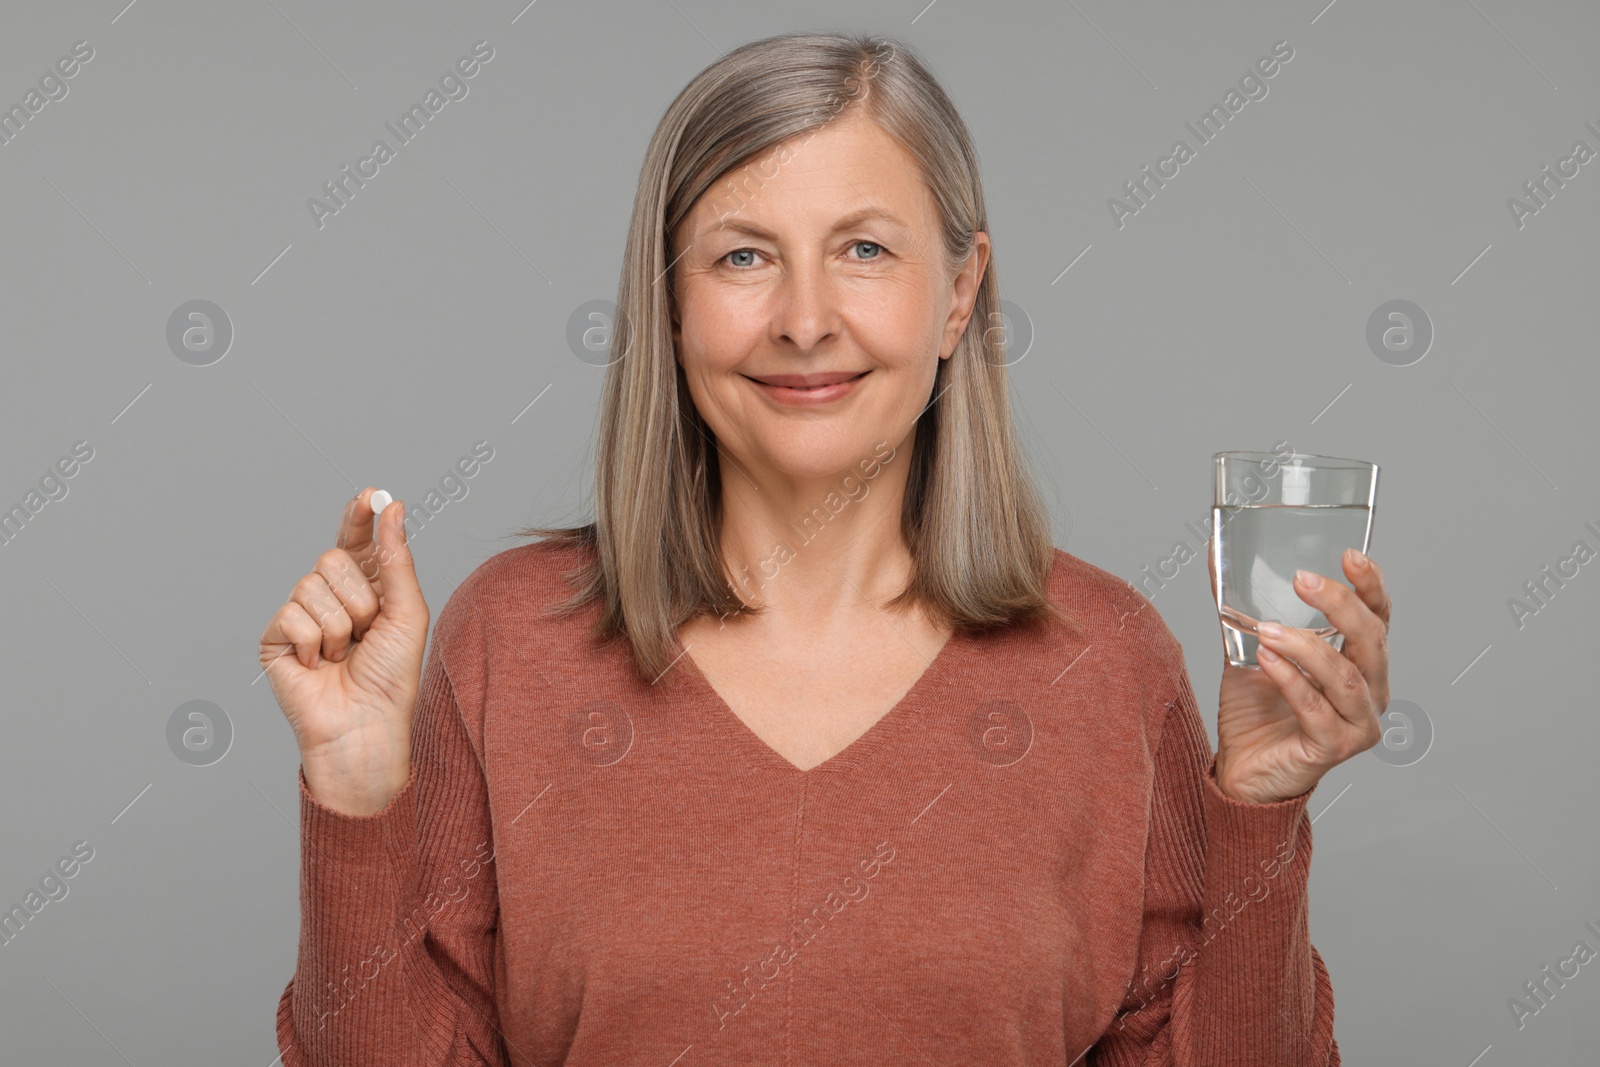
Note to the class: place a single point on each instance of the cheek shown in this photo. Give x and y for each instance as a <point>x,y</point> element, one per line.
<point>899,326</point>
<point>712,344</point>
<point>716,329</point>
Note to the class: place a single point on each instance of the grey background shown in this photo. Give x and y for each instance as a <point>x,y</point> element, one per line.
<point>1229,313</point>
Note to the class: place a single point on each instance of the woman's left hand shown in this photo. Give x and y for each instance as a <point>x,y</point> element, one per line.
<point>1280,729</point>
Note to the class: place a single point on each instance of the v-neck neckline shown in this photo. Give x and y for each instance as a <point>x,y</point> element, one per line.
<point>738,732</point>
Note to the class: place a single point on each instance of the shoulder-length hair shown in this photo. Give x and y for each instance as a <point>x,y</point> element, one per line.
<point>973,520</point>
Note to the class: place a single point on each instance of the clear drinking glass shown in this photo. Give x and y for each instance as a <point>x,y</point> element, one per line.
<point>1274,513</point>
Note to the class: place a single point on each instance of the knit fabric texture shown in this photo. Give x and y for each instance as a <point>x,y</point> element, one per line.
<point>1026,861</point>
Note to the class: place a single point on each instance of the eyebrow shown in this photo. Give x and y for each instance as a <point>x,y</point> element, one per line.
<point>855,218</point>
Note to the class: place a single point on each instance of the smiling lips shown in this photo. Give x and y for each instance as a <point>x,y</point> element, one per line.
<point>809,389</point>
<point>808,381</point>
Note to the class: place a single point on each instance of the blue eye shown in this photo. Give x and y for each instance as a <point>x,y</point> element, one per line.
<point>750,251</point>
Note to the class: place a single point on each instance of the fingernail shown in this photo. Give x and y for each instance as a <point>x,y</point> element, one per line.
<point>1270,629</point>
<point>1309,580</point>
<point>1357,558</point>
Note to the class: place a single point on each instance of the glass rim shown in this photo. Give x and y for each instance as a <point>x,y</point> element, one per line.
<point>1331,462</point>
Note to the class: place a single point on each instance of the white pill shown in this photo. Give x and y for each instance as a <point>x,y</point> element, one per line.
<point>379,500</point>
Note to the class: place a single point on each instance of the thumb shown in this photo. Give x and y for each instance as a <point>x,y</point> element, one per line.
<point>397,574</point>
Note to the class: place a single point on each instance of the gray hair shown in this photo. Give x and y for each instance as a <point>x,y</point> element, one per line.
<point>972,517</point>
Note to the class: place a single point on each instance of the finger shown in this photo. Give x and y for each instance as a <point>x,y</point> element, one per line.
<point>355,525</point>
<point>349,583</point>
<point>1211,565</point>
<point>397,573</point>
<point>312,593</point>
<point>293,627</point>
<point>1366,642</point>
<point>1367,577</point>
<point>1326,731</point>
<point>1335,677</point>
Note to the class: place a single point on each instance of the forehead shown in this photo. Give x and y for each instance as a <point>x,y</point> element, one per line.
<point>842,173</point>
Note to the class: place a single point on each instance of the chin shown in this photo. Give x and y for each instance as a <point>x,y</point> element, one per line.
<point>822,457</point>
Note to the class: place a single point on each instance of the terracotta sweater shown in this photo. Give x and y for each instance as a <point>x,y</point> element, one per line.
<point>1026,861</point>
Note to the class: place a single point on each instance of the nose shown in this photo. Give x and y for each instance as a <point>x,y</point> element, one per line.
<point>805,305</point>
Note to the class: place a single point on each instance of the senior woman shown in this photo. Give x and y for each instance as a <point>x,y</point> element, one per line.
<point>811,748</point>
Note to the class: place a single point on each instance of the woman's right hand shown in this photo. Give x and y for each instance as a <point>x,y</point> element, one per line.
<point>344,657</point>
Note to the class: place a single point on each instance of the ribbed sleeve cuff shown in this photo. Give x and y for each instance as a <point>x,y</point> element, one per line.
<point>355,873</point>
<point>338,839</point>
<point>1245,839</point>
<point>1259,976</point>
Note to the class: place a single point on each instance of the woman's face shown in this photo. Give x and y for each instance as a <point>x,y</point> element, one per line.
<point>819,257</point>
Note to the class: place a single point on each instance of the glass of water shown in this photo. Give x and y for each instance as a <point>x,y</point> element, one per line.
<point>1274,513</point>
